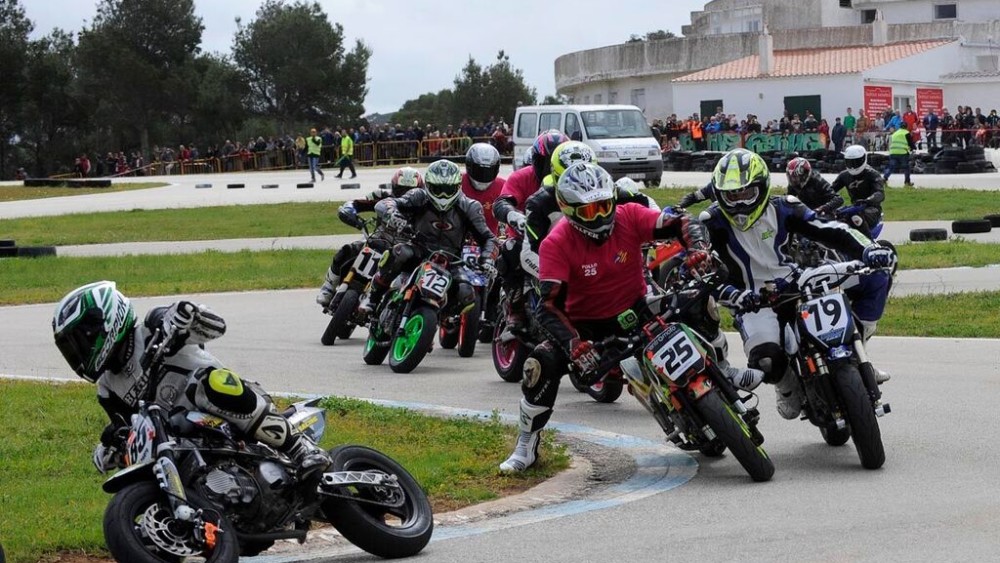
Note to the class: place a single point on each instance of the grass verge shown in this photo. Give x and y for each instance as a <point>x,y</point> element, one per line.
<point>20,193</point>
<point>302,219</point>
<point>947,254</point>
<point>51,498</point>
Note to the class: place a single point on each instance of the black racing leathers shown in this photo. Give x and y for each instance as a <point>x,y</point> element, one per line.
<point>441,230</point>
<point>542,211</point>
<point>817,194</point>
<point>867,189</point>
<point>559,329</point>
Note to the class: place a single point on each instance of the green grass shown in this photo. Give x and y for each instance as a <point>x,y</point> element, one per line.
<point>302,219</point>
<point>947,254</point>
<point>44,280</point>
<point>202,223</point>
<point>19,193</point>
<point>51,498</point>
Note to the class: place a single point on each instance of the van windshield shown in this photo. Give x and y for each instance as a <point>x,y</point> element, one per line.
<point>615,124</point>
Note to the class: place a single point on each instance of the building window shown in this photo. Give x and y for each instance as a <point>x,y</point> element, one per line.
<point>988,63</point>
<point>900,103</point>
<point>945,11</point>
<point>868,16</point>
<point>639,98</point>
<point>613,97</point>
<point>598,98</point>
<point>586,99</point>
<point>845,3</point>
<point>753,26</point>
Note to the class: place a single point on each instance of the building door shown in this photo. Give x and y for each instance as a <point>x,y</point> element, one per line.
<point>801,104</point>
<point>709,107</point>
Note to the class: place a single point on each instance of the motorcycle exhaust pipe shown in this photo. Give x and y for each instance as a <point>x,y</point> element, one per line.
<point>299,535</point>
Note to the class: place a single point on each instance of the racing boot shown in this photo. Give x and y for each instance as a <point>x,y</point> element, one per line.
<point>746,379</point>
<point>329,288</point>
<point>867,331</point>
<point>374,296</point>
<point>789,396</point>
<point>532,420</point>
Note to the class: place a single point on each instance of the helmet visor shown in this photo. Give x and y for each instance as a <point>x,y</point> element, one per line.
<point>442,190</point>
<point>77,346</point>
<point>855,163</point>
<point>483,174</point>
<point>744,196</point>
<point>594,210</point>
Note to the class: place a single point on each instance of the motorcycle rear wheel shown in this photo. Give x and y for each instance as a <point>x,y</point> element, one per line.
<point>124,535</point>
<point>730,429</point>
<point>364,524</point>
<point>860,414</point>
<point>835,436</point>
<point>509,356</point>
<point>606,391</point>
<point>341,320</point>
<point>375,351</point>
<point>408,349</point>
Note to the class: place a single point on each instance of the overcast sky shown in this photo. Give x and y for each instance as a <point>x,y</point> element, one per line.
<point>421,45</point>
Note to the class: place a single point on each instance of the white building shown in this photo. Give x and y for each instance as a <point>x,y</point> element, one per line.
<point>894,52</point>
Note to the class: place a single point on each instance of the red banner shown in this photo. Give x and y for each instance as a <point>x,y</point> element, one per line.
<point>878,99</point>
<point>929,99</point>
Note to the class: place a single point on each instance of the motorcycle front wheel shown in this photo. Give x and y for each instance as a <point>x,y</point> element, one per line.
<point>731,430</point>
<point>468,330</point>
<point>408,349</point>
<point>389,532</point>
<point>139,526</point>
<point>341,321</point>
<point>860,416</point>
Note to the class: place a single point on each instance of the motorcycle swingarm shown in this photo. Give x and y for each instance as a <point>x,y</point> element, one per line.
<point>361,479</point>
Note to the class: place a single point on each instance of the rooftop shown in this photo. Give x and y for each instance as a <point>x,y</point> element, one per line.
<point>815,62</point>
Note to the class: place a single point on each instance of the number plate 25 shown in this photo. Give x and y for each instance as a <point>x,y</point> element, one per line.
<point>673,353</point>
<point>827,318</point>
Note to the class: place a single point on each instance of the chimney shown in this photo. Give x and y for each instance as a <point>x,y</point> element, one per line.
<point>765,50</point>
<point>880,30</point>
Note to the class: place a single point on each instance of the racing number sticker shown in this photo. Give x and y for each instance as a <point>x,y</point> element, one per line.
<point>366,263</point>
<point>676,356</point>
<point>434,283</point>
<point>826,315</point>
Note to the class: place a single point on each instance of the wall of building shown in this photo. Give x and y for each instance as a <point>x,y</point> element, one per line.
<point>657,94</point>
<point>976,94</point>
<point>923,67</point>
<point>766,98</point>
<point>921,11</point>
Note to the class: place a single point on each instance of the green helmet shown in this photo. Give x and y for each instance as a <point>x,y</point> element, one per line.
<point>443,181</point>
<point>742,186</point>
<point>90,326</point>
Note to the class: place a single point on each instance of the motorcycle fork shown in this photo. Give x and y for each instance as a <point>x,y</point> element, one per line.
<point>867,371</point>
<point>404,315</point>
<point>168,476</point>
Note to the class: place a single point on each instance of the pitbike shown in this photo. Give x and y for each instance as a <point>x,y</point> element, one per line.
<point>405,322</point>
<point>195,486</point>
<point>673,371</point>
<point>836,378</point>
<point>343,307</point>
<point>461,330</point>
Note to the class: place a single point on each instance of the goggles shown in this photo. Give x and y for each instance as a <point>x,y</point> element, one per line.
<point>594,210</point>
<point>742,196</point>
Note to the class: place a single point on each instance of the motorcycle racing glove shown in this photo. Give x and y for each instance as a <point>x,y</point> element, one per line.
<point>877,256</point>
<point>743,300</point>
<point>584,357</point>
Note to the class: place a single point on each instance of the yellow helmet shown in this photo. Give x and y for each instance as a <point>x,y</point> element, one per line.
<point>742,186</point>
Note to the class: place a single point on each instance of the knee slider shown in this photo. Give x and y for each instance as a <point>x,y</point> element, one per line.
<point>770,359</point>
<point>225,390</point>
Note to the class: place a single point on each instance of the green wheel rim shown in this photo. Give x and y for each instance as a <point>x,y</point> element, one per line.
<point>405,343</point>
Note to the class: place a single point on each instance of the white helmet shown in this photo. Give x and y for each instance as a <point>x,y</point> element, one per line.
<point>856,158</point>
<point>482,164</point>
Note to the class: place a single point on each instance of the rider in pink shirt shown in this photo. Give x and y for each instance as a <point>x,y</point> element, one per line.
<point>481,182</point>
<point>591,272</point>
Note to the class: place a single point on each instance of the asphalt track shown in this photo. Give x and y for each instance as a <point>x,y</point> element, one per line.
<point>936,498</point>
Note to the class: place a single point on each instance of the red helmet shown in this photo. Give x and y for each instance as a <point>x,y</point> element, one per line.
<point>798,171</point>
<point>404,180</point>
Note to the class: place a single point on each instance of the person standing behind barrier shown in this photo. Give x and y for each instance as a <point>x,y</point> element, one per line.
<point>900,146</point>
<point>838,135</point>
<point>931,123</point>
<point>346,155</point>
<point>314,145</point>
<point>850,125</point>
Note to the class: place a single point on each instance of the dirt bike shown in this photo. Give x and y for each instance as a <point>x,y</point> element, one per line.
<point>404,324</point>
<point>343,307</point>
<point>194,486</point>
<point>672,370</point>
<point>841,396</point>
<point>462,330</point>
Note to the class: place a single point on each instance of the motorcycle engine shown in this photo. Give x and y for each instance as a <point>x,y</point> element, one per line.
<point>231,484</point>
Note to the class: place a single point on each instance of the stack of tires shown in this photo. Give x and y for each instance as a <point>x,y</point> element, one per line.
<point>955,160</point>
<point>8,249</point>
<point>705,161</point>
<point>959,227</point>
<point>678,161</point>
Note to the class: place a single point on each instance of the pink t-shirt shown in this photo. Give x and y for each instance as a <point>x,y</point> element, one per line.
<point>486,198</point>
<point>521,185</point>
<point>602,280</point>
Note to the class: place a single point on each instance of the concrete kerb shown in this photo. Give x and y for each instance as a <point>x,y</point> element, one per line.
<point>658,468</point>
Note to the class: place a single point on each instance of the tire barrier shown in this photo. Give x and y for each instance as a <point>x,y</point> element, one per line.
<point>8,251</point>
<point>202,186</point>
<point>350,186</point>
<point>236,186</point>
<point>304,185</point>
<point>65,183</point>
<point>971,226</point>
<point>269,186</point>
<point>920,235</point>
<point>5,243</point>
<point>993,219</point>
<point>35,251</point>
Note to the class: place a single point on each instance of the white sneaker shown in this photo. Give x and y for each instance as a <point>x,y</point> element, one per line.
<point>525,453</point>
<point>746,379</point>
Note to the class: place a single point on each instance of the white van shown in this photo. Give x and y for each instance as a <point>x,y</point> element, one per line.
<point>619,135</point>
